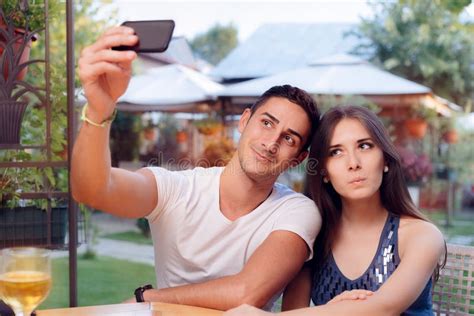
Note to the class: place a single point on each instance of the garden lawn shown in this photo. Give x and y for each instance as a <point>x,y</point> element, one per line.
<point>102,280</point>
<point>131,236</point>
<point>462,226</point>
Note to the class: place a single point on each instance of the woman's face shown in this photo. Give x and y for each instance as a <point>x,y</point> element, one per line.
<point>355,163</point>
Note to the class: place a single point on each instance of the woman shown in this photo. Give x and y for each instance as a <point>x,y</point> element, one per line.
<point>376,253</point>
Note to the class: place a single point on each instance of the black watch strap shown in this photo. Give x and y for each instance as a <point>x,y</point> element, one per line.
<point>139,292</point>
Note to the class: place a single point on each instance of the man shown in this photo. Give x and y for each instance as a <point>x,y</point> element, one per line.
<point>222,236</point>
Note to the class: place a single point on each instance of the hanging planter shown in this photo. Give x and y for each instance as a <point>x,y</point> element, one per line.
<point>181,137</point>
<point>450,136</point>
<point>416,127</point>
<point>149,133</point>
<point>16,24</point>
<point>208,127</point>
<point>11,116</point>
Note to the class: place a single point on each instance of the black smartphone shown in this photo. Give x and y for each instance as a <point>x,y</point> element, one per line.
<point>153,36</point>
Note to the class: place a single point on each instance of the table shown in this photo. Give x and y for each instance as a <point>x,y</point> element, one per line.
<point>132,309</point>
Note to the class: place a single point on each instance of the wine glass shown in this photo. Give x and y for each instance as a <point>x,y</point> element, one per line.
<point>25,278</point>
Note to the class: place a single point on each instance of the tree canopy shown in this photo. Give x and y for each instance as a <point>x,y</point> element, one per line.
<point>216,43</point>
<point>425,41</point>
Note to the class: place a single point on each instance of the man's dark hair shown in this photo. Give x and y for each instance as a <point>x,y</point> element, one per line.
<point>297,96</point>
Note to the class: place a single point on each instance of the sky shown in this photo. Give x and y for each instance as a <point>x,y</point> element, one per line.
<point>194,17</point>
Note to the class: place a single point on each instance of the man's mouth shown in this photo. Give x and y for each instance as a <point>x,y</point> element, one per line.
<point>263,157</point>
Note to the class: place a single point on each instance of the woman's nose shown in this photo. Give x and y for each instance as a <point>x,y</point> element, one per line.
<point>353,161</point>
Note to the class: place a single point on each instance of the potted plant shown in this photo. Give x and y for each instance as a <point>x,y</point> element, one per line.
<point>150,132</point>
<point>419,118</point>
<point>448,131</point>
<point>13,89</point>
<point>26,221</point>
<point>416,170</point>
<point>217,153</point>
<point>208,126</point>
<point>20,23</point>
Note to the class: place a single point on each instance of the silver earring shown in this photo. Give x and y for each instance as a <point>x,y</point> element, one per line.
<point>325,180</point>
<point>385,169</point>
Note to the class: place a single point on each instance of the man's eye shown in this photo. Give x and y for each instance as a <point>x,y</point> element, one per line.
<point>290,140</point>
<point>267,123</point>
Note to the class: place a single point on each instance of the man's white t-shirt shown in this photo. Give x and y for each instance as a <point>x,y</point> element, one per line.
<point>194,242</point>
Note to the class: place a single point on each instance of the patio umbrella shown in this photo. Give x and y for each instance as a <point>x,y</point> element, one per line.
<point>171,88</point>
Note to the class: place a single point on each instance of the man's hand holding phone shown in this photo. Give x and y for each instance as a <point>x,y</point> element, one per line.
<point>105,66</point>
<point>105,73</point>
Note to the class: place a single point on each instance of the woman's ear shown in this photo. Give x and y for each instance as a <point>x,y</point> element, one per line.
<point>325,176</point>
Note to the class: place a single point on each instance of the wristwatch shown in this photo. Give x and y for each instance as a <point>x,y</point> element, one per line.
<point>139,292</point>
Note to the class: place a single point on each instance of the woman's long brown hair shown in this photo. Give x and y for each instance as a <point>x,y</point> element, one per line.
<point>394,193</point>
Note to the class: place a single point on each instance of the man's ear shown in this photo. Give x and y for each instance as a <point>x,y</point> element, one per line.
<point>244,119</point>
<point>302,156</point>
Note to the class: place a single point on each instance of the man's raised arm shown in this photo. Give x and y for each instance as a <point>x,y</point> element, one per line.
<point>105,74</point>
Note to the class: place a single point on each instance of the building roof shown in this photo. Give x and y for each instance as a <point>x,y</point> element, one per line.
<point>278,47</point>
<point>340,74</point>
<point>172,88</point>
<point>178,52</point>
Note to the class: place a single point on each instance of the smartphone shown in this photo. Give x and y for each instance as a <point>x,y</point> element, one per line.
<point>153,36</point>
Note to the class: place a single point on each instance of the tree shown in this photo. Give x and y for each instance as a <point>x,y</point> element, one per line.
<point>216,43</point>
<point>424,41</point>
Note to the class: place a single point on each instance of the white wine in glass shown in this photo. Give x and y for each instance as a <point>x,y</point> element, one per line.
<point>25,278</point>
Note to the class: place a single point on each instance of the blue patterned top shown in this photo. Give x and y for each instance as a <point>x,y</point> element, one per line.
<point>330,281</point>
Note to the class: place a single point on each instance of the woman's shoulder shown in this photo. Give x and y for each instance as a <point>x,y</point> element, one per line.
<point>413,225</point>
<point>417,234</point>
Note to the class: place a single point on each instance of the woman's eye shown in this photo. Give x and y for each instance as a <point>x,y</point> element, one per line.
<point>334,152</point>
<point>365,146</point>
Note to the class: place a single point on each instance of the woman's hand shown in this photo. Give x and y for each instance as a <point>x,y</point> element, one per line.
<point>351,295</point>
<point>246,310</point>
<point>105,73</point>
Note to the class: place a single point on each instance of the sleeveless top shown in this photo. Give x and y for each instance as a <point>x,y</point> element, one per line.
<point>329,281</point>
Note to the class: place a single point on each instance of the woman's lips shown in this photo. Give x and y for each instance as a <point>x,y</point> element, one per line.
<point>357,180</point>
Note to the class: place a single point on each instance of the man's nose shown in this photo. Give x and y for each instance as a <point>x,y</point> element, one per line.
<point>273,148</point>
<point>271,143</point>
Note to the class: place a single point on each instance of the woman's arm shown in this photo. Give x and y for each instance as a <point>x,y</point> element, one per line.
<point>298,292</point>
<point>421,245</point>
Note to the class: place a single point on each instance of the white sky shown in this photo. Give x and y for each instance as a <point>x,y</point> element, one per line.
<point>197,16</point>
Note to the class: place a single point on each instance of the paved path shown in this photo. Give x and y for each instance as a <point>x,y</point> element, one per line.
<point>124,250</point>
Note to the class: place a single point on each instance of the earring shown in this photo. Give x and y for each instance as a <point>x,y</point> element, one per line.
<point>385,169</point>
<point>325,180</point>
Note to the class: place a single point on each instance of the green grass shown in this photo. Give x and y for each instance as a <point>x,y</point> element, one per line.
<point>461,226</point>
<point>130,236</point>
<point>103,280</point>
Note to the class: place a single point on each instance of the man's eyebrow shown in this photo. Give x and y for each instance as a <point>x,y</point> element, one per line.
<point>291,131</point>
<point>271,117</point>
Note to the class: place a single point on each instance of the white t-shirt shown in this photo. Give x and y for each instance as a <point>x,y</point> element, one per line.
<point>194,242</point>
